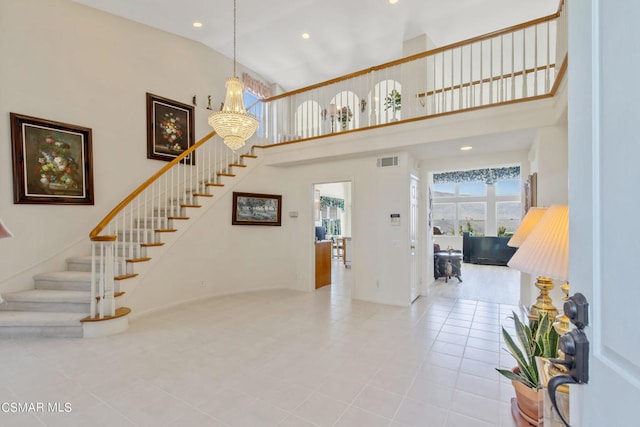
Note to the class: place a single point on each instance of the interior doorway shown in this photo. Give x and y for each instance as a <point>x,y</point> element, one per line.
<point>332,229</point>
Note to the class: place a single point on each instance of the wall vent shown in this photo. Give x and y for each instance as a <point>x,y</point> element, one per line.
<point>385,162</point>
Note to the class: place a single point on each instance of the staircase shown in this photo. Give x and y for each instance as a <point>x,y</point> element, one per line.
<point>60,305</point>
<point>54,308</point>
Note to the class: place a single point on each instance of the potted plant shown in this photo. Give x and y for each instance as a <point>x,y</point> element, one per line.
<point>538,339</point>
<point>393,102</point>
<point>345,115</point>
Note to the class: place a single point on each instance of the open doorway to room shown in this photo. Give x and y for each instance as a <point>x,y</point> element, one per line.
<point>473,215</point>
<point>332,227</point>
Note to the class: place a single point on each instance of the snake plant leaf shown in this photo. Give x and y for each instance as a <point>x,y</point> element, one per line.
<point>515,377</point>
<point>523,361</point>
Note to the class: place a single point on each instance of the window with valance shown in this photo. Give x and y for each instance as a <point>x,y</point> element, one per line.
<point>482,201</point>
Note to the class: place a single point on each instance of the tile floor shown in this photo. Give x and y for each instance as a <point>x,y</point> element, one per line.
<point>280,358</point>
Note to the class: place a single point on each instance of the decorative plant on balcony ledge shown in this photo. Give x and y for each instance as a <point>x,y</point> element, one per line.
<point>393,101</point>
<point>345,115</point>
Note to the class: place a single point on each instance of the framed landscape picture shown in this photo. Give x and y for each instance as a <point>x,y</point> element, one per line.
<point>52,162</point>
<point>170,127</point>
<point>256,209</point>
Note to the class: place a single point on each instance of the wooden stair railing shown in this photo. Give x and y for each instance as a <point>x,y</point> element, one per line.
<point>122,238</point>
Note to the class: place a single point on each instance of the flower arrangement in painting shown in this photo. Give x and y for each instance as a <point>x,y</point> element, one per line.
<point>56,167</point>
<point>345,115</point>
<point>172,131</point>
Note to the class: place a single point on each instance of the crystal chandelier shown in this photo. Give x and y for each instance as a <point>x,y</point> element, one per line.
<point>233,123</point>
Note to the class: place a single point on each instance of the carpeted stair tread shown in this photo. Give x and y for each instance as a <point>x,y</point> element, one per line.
<point>39,318</point>
<point>64,280</point>
<point>65,276</point>
<point>51,295</point>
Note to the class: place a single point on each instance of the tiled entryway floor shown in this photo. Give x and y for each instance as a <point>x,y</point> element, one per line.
<point>280,358</point>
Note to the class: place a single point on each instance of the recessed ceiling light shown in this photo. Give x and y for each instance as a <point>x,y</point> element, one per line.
<point>466,148</point>
<point>197,24</point>
<point>305,35</point>
<point>393,1</point>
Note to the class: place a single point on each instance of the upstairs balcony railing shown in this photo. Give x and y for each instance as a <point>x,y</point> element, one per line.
<point>518,63</point>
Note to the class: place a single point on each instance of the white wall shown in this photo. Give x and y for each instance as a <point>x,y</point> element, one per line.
<point>380,251</point>
<point>214,257</point>
<point>549,158</point>
<point>65,62</point>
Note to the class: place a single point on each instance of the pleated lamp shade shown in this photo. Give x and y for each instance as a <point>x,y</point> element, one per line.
<point>545,252</point>
<point>4,231</point>
<point>528,222</point>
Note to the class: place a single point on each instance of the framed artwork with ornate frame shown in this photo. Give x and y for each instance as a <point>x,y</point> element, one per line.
<point>256,209</point>
<point>52,162</point>
<point>170,129</point>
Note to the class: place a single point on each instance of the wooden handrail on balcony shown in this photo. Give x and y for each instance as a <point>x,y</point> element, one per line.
<point>94,235</point>
<point>417,56</point>
<point>518,63</point>
<point>487,80</point>
<point>560,75</point>
<point>561,72</point>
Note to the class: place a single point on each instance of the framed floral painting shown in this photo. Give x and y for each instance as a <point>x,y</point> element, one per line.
<point>52,162</point>
<point>169,129</point>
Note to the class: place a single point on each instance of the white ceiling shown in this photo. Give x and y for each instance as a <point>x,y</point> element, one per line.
<point>346,35</point>
<point>485,144</point>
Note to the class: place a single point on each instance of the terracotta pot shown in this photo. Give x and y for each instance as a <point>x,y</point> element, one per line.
<point>530,402</point>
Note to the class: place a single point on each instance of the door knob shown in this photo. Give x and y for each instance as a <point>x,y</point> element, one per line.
<point>575,348</point>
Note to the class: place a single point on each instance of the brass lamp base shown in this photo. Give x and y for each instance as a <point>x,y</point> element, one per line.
<point>562,324</point>
<point>543,303</point>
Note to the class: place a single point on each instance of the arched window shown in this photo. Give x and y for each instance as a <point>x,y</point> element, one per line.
<point>344,111</point>
<point>307,119</point>
<point>386,102</point>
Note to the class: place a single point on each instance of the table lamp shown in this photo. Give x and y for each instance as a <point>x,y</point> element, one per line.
<point>524,229</point>
<point>545,253</point>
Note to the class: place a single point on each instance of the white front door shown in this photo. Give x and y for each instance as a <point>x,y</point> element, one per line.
<point>413,237</point>
<point>604,202</point>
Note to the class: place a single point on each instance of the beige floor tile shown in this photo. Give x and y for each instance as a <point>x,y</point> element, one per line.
<point>283,358</point>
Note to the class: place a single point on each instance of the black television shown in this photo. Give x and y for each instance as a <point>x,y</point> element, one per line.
<point>321,233</point>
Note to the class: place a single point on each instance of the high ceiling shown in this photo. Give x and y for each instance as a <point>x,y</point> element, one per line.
<point>346,35</point>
